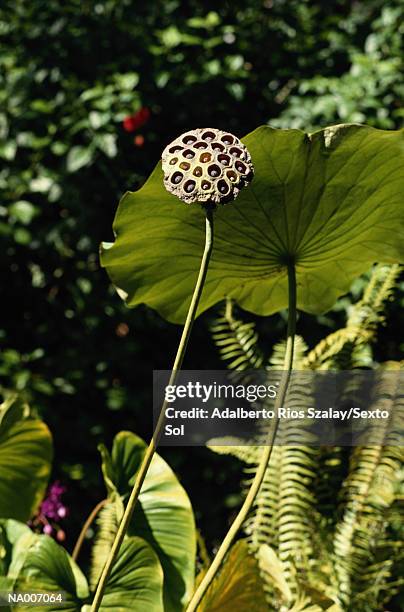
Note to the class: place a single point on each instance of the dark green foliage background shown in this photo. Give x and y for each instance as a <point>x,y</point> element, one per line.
<point>69,73</point>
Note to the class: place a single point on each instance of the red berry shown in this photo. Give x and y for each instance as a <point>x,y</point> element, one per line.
<point>128,124</point>
<point>135,121</point>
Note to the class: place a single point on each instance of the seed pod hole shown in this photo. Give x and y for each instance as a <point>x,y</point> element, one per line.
<point>189,186</point>
<point>217,146</point>
<point>188,154</point>
<point>208,136</point>
<point>173,161</point>
<point>214,171</point>
<point>240,167</point>
<point>177,178</point>
<point>198,171</point>
<point>200,145</point>
<point>189,139</point>
<point>224,159</point>
<point>227,139</point>
<point>223,186</point>
<point>235,152</point>
<point>185,165</point>
<point>206,185</point>
<point>175,148</point>
<point>205,157</point>
<point>232,176</point>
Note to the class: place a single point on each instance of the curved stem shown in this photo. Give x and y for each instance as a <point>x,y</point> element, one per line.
<point>141,475</point>
<point>86,526</point>
<point>266,455</point>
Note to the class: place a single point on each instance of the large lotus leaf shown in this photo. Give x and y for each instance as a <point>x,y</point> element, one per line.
<point>331,201</point>
<point>163,517</point>
<point>25,461</point>
<point>238,586</point>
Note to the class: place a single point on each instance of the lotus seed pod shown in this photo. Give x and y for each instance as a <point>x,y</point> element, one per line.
<point>206,166</point>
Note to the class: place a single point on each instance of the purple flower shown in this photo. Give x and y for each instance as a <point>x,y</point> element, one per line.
<point>50,512</point>
<point>52,506</point>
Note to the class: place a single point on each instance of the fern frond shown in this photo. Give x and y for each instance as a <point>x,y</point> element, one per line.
<point>367,494</point>
<point>349,347</point>
<point>296,505</point>
<point>324,555</point>
<point>277,358</point>
<point>261,527</point>
<point>281,514</point>
<point>233,446</point>
<point>297,471</point>
<point>332,469</point>
<point>297,468</point>
<point>236,341</point>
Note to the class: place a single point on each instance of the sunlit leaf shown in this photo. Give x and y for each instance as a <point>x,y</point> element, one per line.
<point>47,566</point>
<point>163,517</point>
<point>25,461</point>
<point>238,586</point>
<point>78,157</point>
<point>136,581</point>
<point>332,202</point>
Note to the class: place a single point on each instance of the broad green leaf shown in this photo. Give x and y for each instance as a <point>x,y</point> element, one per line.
<point>8,150</point>
<point>107,144</point>
<point>128,81</point>
<point>23,211</point>
<point>25,461</point>
<point>78,157</point>
<point>238,585</point>
<point>137,576</point>
<point>47,566</point>
<point>10,534</point>
<point>136,581</point>
<point>332,201</point>
<point>163,516</point>
<point>126,456</point>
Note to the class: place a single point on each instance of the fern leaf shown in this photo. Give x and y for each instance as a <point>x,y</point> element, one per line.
<point>367,494</point>
<point>350,347</point>
<point>277,358</point>
<point>233,446</point>
<point>261,525</point>
<point>236,341</point>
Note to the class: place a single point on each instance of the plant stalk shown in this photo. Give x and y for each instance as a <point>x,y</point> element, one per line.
<point>266,455</point>
<point>147,459</point>
<point>89,521</point>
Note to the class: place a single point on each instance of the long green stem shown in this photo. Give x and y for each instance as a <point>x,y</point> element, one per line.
<point>266,455</point>
<point>141,475</point>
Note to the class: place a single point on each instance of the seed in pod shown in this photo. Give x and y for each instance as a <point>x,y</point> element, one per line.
<point>206,165</point>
